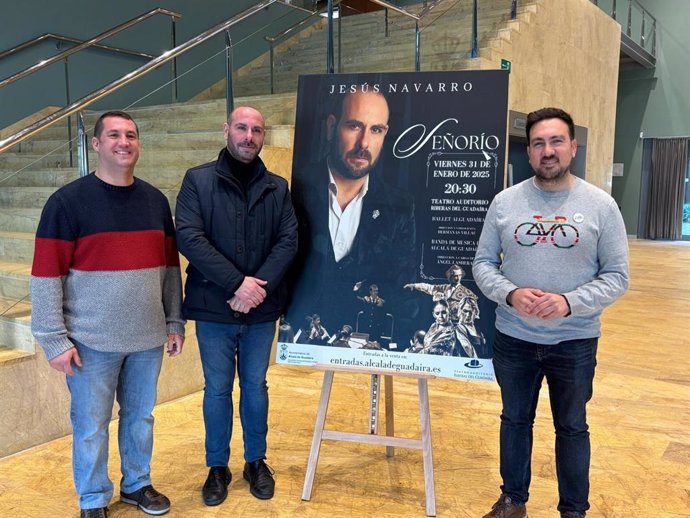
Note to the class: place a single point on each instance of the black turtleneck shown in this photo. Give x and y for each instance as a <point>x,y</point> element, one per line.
<point>241,171</point>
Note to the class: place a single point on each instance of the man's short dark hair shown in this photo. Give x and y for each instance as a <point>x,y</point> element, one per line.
<point>550,113</point>
<point>98,128</point>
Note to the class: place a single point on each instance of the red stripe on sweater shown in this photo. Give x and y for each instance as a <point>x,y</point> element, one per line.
<point>120,251</point>
<point>171,255</point>
<point>52,257</point>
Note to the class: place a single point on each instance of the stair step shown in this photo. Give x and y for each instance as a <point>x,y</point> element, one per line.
<point>19,220</point>
<point>10,354</point>
<point>14,281</point>
<point>189,116</point>
<point>16,247</point>
<point>15,309</point>
<point>41,169</point>
<point>15,328</point>
<point>38,177</point>
<point>25,197</point>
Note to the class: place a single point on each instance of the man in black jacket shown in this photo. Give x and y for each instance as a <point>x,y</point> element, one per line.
<point>355,229</point>
<point>236,226</point>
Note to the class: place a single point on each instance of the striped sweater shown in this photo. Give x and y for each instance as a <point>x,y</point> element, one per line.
<point>106,272</point>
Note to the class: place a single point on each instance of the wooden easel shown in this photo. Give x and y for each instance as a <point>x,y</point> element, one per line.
<point>388,440</point>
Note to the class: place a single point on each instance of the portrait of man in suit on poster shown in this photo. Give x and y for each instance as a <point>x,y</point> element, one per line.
<point>355,229</point>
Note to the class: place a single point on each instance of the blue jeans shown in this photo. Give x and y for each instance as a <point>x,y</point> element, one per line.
<point>222,347</point>
<point>133,378</point>
<point>568,367</point>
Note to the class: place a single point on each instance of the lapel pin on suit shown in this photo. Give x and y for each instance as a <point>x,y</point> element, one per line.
<point>375,214</point>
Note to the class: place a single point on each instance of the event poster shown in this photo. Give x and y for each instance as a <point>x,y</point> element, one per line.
<point>392,176</point>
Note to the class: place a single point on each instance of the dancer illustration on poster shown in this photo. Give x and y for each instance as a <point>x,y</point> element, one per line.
<point>453,292</point>
<point>463,310</point>
<point>470,339</point>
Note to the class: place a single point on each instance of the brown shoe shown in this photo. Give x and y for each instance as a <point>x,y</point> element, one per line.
<point>506,508</point>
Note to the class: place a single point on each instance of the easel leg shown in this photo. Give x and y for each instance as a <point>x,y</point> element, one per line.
<point>390,423</point>
<point>426,448</point>
<point>374,397</point>
<point>318,433</point>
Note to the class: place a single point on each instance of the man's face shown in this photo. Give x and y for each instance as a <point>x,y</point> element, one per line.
<point>440,314</point>
<point>550,149</point>
<point>118,144</point>
<point>356,138</point>
<point>455,277</point>
<point>467,314</point>
<point>373,292</point>
<point>244,134</point>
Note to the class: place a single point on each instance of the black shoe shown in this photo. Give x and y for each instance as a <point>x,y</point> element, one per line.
<point>572,514</point>
<point>100,512</point>
<point>148,500</point>
<point>260,478</point>
<point>215,489</point>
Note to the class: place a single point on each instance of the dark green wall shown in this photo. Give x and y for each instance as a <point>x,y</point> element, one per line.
<point>91,69</point>
<point>655,102</point>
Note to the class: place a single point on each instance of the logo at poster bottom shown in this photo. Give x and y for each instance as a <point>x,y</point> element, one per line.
<point>473,364</point>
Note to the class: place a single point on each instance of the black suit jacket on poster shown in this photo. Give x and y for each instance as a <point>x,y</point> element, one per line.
<point>383,252</point>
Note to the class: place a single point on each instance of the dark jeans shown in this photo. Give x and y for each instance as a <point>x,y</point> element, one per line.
<point>224,348</point>
<point>568,367</point>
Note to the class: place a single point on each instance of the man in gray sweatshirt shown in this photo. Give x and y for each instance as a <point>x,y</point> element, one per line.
<point>553,254</point>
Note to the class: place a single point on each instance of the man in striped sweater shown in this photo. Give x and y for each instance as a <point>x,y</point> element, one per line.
<point>106,295</point>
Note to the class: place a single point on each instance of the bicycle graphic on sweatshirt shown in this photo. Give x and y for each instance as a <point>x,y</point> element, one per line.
<point>560,234</point>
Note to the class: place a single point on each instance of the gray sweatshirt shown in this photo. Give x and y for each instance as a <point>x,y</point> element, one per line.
<point>570,242</point>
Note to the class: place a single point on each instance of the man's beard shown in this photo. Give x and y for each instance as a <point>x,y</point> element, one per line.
<point>551,174</point>
<point>239,150</point>
<point>342,168</point>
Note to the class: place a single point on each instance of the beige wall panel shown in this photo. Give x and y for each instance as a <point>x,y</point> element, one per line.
<point>566,54</point>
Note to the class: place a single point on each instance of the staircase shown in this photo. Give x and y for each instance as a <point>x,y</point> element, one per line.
<point>176,137</point>
<point>445,45</point>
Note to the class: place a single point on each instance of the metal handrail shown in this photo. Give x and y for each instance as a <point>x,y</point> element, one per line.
<point>282,34</point>
<point>88,43</point>
<point>427,8</point>
<point>292,28</point>
<point>94,96</point>
<point>474,50</point>
<point>397,9</point>
<point>59,37</point>
<point>628,27</point>
<point>82,146</point>
<point>645,13</point>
